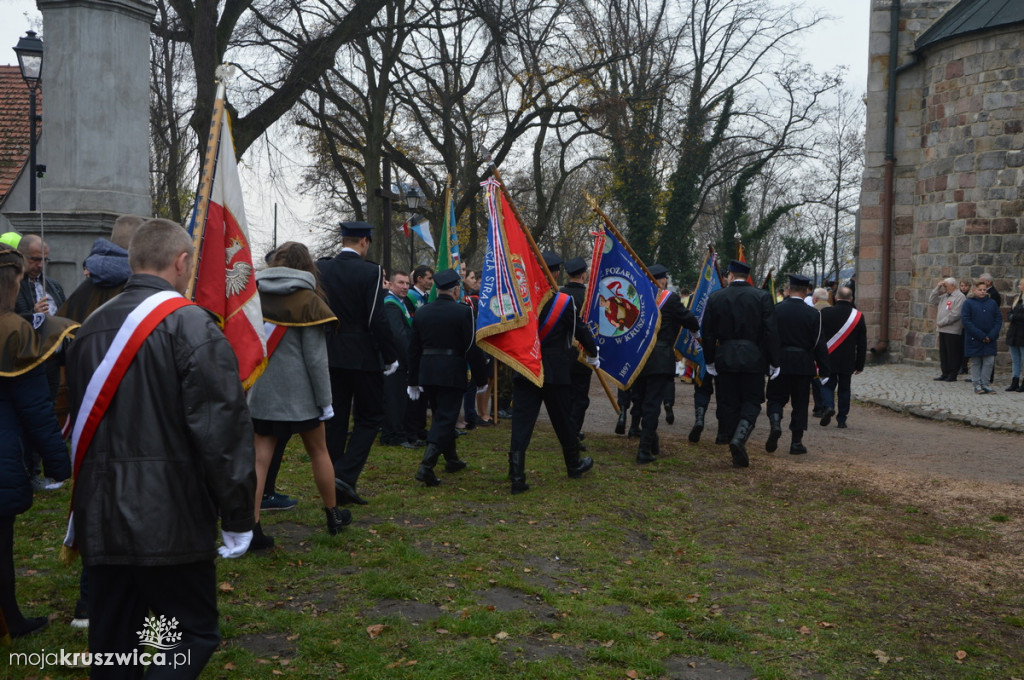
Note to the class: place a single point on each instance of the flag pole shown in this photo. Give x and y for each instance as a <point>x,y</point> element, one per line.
<point>202,208</point>
<point>625,244</point>
<point>767,276</point>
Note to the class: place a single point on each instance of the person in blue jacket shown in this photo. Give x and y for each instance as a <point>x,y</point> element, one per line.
<point>982,323</point>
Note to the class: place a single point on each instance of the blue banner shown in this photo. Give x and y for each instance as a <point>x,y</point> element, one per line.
<point>688,345</point>
<point>621,310</point>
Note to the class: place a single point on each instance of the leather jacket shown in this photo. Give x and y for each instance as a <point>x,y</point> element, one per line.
<point>175,449</point>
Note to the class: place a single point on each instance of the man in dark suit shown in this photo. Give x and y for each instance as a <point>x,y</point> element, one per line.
<point>741,343</point>
<point>580,374</point>
<point>400,323</point>
<point>355,348</point>
<point>846,339</point>
<point>660,368</point>
<point>803,356</point>
<point>39,296</point>
<point>442,336</point>
<point>557,355</point>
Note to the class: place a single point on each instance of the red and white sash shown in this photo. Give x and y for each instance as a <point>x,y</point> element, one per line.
<point>107,378</point>
<point>844,332</point>
<point>274,334</point>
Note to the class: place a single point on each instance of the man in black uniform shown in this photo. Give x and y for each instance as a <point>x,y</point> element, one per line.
<point>559,325</point>
<point>660,368</point>
<point>442,336</point>
<point>355,348</point>
<point>741,343</point>
<point>802,346</point>
<point>846,339</point>
<point>576,270</point>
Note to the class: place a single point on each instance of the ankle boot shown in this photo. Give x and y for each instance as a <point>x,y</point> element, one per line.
<point>425,473</point>
<point>698,424</point>
<point>620,424</point>
<point>1014,385</point>
<point>634,427</point>
<point>737,446</point>
<point>644,452</point>
<point>775,420</point>
<point>575,466</point>
<point>452,462</point>
<point>1021,388</point>
<point>796,447</point>
<point>655,445</point>
<point>517,471</point>
<point>337,518</point>
<point>260,541</point>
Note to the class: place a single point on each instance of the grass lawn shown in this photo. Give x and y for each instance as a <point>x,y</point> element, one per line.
<point>685,568</point>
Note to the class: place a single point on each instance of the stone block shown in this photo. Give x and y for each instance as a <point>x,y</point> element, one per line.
<point>1005,225</point>
<point>993,160</point>
<point>964,210</point>
<point>977,226</point>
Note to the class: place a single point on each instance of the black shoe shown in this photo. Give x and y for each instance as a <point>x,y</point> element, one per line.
<point>260,541</point>
<point>1014,385</point>
<point>620,424</point>
<point>520,487</point>
<point>841,426</point>
<point>578,471</point>
<point>410,445</point>
<point>775,420</point>
<point>737,445</point>
<point>346,494</point>
<point>633,433</point>
<point>455,465</point>
<point>505,413</point>
<point>721,438</point>
<point>461,433</point>
<point>337,518</point>
<point>816,413</point>
<point>797,448</point>
<point>581,447</point>
<point>950,378</point>
<point>30,626</point>
<point>940,378</point>
<point>644,457</point>
<point>694,435</point>
<point>427,476</point>
<point>580,436</point>
<point>669,416</point>
<point>480,422</point>
<point>826,417</point>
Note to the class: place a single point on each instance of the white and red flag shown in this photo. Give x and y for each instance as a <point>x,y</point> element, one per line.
<point>224,281</point>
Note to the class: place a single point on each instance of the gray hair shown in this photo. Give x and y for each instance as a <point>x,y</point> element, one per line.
<point>156,244</point>
<point>950,281</point>
<point>820,294</point>
<point>986,277</point>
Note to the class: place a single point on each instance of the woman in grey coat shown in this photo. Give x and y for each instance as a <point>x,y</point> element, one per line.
<point>293,396</point>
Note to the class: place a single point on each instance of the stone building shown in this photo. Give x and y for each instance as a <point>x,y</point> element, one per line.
<point>943,185</point>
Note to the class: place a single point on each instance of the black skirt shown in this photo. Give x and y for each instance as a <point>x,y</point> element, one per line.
<point>283,429</point>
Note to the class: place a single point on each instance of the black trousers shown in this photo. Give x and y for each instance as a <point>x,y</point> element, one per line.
<point>795,389</point>
<point>580,397</point>
<point>951,353</point>
<point>395,400</point>
<point>650,391</point>
<point>359,394</point>
<point>446,413</point>
<point>120,599</point>
<point>526,401</point>
<point>8,601</point>
<point>670,392</point>
<point>740,396</point>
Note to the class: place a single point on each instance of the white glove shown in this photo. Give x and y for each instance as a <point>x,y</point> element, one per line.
<point>414,392</point>
<point>823,381</point>
<point>327,412</point>
<point>710,368</point>
<point>481,390</point>
<point>594,361</point>
<point>235,543</point>
<point>773,372</point>
<point>392,367</point>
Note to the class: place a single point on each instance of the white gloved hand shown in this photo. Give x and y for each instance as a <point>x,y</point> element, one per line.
<point>327,412</point>
<point>710,368</point>
<point>773,372</point>
<point>392,367</point>
<point>481,390</point>
<point>823,381</point>
<point>235,543</point>
<point>414,392</point>
<point>594,361</point>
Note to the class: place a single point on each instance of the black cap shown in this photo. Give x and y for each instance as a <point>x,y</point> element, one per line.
<point>357,229</point>
<point>575,266</point>
<point>659,271</point>
<point>737,267</point>
<point>799,280</point>
<point>446,279</point>
<point>552,260</point>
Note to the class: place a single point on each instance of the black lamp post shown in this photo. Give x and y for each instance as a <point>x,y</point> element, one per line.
<point>413,200</point>
<point>30,61</point>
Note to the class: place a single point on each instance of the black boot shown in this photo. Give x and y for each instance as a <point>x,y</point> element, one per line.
<point>260,541</point>
<point>576,466</point>
<point>620,424</point>
<point>698,424</point>
<point>452,462</point>
<point>517,471</point>
<point>1021,388</point>
<point>656,445</point>
<point>1014,385</point>
<point>634,427</point>
<point>645,451</point>
<point>737,447</point>
<point>425,473</point>
<point>775,420</point>
<point>796,447</point>
<point>670,417</point>
<point>337,518</point>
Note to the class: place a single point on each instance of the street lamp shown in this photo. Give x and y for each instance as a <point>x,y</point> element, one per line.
<point>414,199</point>
<point>30,61</point>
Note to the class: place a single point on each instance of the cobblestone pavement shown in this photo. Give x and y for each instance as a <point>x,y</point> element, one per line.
<point>911,389</point>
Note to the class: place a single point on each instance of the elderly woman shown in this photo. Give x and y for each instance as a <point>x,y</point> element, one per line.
<point>1015,338</point>
<point>26,412</point>
<point>982,323</point>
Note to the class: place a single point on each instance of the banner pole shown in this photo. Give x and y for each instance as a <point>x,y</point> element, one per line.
<point>622,239</point>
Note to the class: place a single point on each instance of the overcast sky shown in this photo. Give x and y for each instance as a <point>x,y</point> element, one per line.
<point>841,42</point>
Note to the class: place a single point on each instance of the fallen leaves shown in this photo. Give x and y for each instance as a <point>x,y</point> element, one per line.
<point>375,630</point>
<point>960,655</point>
<point>226,587</point>
<point>881,656</point>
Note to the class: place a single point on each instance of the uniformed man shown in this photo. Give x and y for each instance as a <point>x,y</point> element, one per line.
<point>355,350</point>
<point>846,338</point>
<point>579,373</point>
<point>659,371</point>
<point>741,343</point>
<point>802,346</point>
<point>559,325</point>
<point>442,336</point>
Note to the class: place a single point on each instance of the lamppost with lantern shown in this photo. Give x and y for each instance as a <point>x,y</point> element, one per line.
<point>414,200</point>
<point>30,61</point>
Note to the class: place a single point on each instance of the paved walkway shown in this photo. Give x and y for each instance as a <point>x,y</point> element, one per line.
<point>911,389</point>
